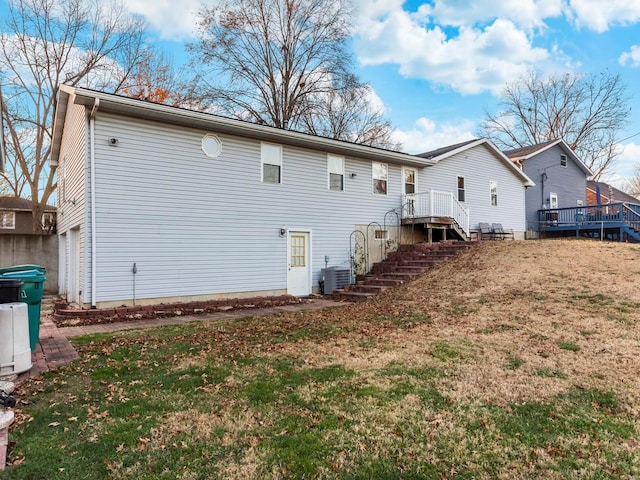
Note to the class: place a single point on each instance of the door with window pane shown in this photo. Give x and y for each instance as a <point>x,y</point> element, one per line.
<point>299,264</point>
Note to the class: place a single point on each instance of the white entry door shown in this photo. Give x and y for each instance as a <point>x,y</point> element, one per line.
<point>299,264</point>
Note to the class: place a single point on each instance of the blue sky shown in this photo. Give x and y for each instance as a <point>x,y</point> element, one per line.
<point>437,65</point>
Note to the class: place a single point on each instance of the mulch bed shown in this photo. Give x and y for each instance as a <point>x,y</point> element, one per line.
<point>65,316</point>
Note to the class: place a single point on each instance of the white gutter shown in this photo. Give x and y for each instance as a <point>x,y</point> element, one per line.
<point>92,186</point>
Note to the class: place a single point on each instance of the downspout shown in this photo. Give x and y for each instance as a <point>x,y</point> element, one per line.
<point>92,181</point>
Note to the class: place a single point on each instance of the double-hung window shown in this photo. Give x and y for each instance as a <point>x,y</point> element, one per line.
<point>380,173</point>
<point>493,191</point>
<point>461,192</point>
<point>409,175</point>
<point>335,169</point>
<point>271,159</point>
<point>563,160</point>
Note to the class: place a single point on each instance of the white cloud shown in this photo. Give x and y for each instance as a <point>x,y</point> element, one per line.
<point>470,61</point>
<point>632,57</point>
<point>426,135</point>
<point>173,21</point>
<point>599,15</point>
<point>624,167</point>
<point>529,14</point>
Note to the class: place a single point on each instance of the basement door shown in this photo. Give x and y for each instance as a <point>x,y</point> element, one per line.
<point>299,263</point>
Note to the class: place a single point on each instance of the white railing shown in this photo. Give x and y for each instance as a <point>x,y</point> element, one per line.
<point>436,204</point>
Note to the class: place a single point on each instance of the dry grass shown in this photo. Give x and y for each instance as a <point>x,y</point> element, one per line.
<point>515,360</point>
<point>511,300</point>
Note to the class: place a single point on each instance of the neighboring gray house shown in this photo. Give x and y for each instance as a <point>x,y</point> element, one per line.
<point>162,204</point>
<point>560,176</point>
<point>483,180</point>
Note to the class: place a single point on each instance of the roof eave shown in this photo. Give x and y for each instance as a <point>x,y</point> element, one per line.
<point>188,118</point>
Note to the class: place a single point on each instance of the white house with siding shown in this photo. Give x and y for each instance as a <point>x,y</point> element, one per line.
<point>159,204</point>
<point>479,178</point>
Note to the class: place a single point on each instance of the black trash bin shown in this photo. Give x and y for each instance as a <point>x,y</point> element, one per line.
<point>10,290</point>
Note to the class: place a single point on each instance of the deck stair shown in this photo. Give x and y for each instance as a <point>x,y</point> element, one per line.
<point>400,267</point>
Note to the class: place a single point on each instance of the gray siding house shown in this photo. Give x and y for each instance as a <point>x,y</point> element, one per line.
<point>560,176</point>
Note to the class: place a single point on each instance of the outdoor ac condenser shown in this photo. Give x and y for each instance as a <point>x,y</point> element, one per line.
<point>334,278</point>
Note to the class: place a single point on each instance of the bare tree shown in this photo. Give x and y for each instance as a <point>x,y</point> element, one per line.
<point>632,185</point>
<point>586,111</point>
<point>45,43</point>
<point>273,61</point>
<point>347,112</point>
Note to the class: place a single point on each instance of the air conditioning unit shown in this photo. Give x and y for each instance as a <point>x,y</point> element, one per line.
<point>335,277</point>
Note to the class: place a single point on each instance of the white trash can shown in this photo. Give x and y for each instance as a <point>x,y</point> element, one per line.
<point>15,352</point>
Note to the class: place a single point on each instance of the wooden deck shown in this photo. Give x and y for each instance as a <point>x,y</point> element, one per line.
<point>615,221</point>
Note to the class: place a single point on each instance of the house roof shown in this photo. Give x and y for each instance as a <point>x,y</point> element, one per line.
<point>20,204</point>
<point>441,154</point>
<point>141,109</point>
<point>442,150</point>
<point>608,191</point>
<point>523,154</point>
<point>527,151</point>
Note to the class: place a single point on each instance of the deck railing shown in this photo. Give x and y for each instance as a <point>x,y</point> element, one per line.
<point>628,213</point>
<point>436,204</point>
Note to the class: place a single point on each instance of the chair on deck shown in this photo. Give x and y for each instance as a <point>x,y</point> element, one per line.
<point>486,233</point>
<point>500,233</point>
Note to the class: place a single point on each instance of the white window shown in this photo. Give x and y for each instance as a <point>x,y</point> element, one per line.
<point>7,220</point>
<point>493,191</point>
<point>335,169</point>
<point>563,160</point>
<point>410,177</point>
<point>380,173</point>
<point>271,159</point>
<point>211,145</point>
<point>553,200</point>
<point>381,234</point>
<point>461,192</point>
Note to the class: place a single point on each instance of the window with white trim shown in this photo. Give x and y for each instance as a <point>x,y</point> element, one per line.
<point>553,200</point>
<point>563,160</point>
<point>211,145</point>
<point>493,191</point>
<point>410,180</point>
<point>461,190</point>
<point>335,171</point>
<point>380,174</point>
<point>271,160</point>
<point>7,220</point>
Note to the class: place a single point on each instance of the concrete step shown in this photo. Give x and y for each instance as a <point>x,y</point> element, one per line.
<point>352,296</point>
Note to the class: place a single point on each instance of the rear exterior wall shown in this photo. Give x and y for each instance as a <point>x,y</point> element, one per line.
<point>196,226</point>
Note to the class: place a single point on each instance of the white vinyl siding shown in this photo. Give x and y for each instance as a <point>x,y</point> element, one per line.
<point>335,172</point>
<point>271,160</point>
<point>72,207</point>
<point>196,227</point>
<point>510,210</point>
